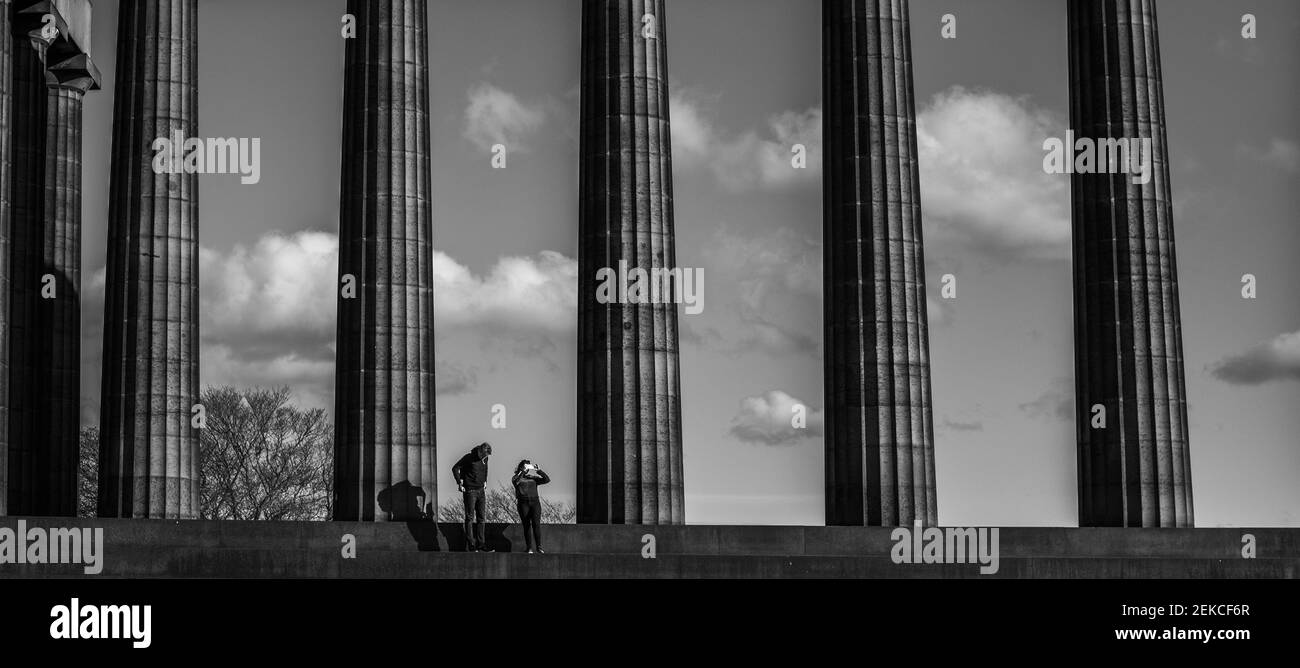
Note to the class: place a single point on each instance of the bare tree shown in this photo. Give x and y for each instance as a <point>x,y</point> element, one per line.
<point>88,473</point>
<point>500,506</point>
<point>261,458</point>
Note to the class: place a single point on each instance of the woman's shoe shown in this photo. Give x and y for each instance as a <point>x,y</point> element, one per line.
<point>540,551</point>
<point>530,552</point>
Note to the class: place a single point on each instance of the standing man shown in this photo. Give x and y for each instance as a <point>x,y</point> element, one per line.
<point>471,474</point>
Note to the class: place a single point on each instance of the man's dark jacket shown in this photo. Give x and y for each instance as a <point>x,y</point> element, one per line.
<point>471,471</point>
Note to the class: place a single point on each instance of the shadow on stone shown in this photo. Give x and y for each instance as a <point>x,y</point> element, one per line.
<point>425,533</point>
<point>493,533</point>
<point>496,538</point>
<point>405,502</point>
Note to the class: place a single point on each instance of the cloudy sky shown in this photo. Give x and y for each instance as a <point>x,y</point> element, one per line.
<point>746,86</point>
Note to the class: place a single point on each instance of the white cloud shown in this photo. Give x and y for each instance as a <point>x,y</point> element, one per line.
<point>980,153</point>
<point>312,380</point>
<point>273,296</point>
<point>768,419</point>
<point>267,316</point>
<point>982,181</point>
<point>1280,154</point>
<point>692,134</point>
<point>494,116</point>
<point>518,294</point>
<point>283,288</point>
<point>753,159</point>
<point>268,313</point>
<point>1274,360</point>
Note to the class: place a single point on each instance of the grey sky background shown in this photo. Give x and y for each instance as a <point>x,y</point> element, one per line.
<point>746,84</point>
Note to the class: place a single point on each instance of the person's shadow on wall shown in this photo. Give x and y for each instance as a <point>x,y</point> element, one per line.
<point>405,502</point>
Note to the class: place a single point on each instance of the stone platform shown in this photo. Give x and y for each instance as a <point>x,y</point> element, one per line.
<point>210,549</point>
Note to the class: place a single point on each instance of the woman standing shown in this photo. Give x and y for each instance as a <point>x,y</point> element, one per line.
<point>526,479</point>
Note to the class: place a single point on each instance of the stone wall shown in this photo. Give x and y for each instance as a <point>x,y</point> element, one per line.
<point>168,548</point>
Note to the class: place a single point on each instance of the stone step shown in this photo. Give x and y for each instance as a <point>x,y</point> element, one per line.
<point>192,562</point>
<point>326,537</point>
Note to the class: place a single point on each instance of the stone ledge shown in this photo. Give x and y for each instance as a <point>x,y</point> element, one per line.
<point>160,548</point>
<point>304,564</point>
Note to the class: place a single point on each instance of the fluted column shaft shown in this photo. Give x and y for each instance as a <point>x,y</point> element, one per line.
<point>56,366</point>
<point>149,451</point>
<point>6,238</point>
<point>1136,470</point>
<point>879,425</point>
<point>54,72</point>
<point>385,442</point>
<point>28,198</point>
<point>629,406</point>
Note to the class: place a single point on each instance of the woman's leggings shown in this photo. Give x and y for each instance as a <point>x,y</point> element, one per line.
<point>530,515</point>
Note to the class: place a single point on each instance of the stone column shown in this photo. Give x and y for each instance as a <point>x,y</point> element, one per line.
<point>30,108</point>
<point>6,237</point>
<point>879,427</point>
<point>54,73</point>
<point>149,464</point>
<point>1136,470</point>
<point>57,364</point>
<point>629,405</point>
<point>385,464</point>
